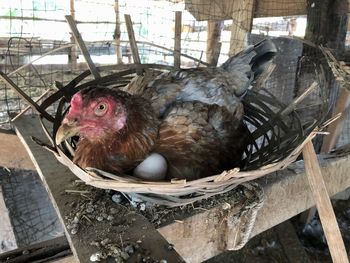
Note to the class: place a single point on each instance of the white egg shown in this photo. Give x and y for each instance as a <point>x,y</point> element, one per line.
<point>154,167</point>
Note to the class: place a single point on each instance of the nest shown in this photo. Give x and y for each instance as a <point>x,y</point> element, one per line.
<point>277,133</point>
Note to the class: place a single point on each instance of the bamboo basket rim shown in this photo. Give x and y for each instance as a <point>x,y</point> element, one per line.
<point>175,192</point>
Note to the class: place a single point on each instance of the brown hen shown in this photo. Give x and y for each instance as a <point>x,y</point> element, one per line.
<point>191,117</point>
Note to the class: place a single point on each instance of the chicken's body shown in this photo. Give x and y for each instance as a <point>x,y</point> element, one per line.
<point>193,118</point>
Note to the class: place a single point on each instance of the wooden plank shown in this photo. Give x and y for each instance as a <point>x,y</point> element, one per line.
<point>242,18</point>
<point>132,40</point>
<point>324,206</point>
<point>81,44</point>
<point>7,236</point>
<point>177,40</point>
<point>57,178</point>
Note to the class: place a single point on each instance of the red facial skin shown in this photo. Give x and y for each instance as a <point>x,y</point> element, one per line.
<point>100,117</point>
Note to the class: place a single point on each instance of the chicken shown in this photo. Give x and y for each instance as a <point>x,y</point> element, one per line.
<point>190,118</point>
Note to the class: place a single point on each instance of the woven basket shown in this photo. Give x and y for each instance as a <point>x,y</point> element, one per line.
<point>277,135</point>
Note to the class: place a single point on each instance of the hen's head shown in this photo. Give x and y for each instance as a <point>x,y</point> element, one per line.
<point>93,114</point>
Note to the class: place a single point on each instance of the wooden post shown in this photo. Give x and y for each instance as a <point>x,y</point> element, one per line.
<point>177,40</point>
<point>213,40</point>
<point>117,33</point>
<point>327,22</point>
<point>72,58</point>
<point>82,46</point>
<point>242,15</point>
<point>324,206</point>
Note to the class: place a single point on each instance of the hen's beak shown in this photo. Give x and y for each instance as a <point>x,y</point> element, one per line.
<point>67,130</point>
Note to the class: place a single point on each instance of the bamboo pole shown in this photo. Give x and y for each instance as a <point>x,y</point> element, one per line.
<point>82,46</point>
<point>324,206</point>
<point>177,40</point>
<point>73,54</point>
<point>117,33</point>
<point>132,40</point>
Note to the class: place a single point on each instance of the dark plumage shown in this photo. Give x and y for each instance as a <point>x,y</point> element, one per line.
<point>192,117</point>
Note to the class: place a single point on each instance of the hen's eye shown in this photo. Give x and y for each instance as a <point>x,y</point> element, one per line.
<point>101,109</point>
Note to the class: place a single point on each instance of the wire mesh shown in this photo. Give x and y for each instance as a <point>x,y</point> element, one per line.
<point>31,29</point>
<point>32,215</point>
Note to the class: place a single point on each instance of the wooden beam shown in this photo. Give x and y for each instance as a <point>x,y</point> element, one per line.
<point>82,46</point>
<point>177,40</point>
<point>213,41</point>
<point>242,17</point>
<point>324,206</point>
<point>57,178</point>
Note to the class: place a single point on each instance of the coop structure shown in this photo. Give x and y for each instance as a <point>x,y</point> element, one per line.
<point>231,227</point>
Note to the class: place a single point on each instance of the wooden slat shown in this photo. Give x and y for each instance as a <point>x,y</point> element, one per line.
<point>82,46</point>
<point>177,40</point>
<point>57,178</point>
<point>324,206</point>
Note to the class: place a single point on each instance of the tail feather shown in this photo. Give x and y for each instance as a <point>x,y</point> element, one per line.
<point>253,60</point>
